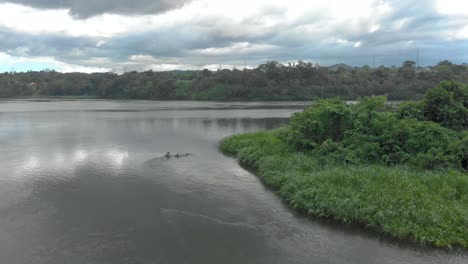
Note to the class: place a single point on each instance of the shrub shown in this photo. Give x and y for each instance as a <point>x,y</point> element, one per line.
<point>447,104</point>
<point>410,110</point>
<point>328,119</point>
<point>460,150</point>
<point>366,133</point>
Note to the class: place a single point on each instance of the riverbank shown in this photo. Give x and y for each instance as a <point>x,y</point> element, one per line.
<point>427,207</point>
<point>49,98</point>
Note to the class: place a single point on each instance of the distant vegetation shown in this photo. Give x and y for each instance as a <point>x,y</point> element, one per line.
<point>269,81</point>
<point>401,171</point>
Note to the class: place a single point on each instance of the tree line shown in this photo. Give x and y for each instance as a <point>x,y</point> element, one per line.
<point>269,81</point>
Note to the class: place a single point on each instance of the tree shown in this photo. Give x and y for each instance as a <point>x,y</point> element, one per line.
<point>447,104</point>
<point>407,70</point>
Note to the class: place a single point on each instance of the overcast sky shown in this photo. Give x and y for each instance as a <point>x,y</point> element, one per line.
<point>105,35</point>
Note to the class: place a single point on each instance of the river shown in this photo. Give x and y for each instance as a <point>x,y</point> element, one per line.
<point>86,181</point>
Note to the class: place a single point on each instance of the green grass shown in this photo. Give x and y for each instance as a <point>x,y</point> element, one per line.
<point>428,207</point>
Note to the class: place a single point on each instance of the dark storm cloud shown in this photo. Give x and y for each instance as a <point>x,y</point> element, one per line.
<point>215,39</point>
<point>71,50</point>
<point>89,8</point>
<point>40,45</point>
<point>423,28</point>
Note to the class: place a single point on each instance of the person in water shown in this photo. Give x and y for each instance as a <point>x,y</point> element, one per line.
<point>177,155</point>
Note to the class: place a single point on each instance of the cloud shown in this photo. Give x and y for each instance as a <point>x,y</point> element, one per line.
<point>452,7</point>
<point>207,33</point>
<point>18,63</point>
<point>57,21</point>
<point>243,48</point>
<point>88,8</point>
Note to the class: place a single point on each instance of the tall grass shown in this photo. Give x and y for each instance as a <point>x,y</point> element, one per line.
<point>429,207</point>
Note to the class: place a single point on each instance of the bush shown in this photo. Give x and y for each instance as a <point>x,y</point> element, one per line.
<point>447,104</point>
<point>460,150</point>
<point>325,120</point>
<point>410,110</point>
<point>367,133</point>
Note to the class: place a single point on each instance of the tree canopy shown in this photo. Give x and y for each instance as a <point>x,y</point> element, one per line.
<point>270,81</point>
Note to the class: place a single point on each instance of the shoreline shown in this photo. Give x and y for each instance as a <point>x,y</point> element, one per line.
<point>255,153</point>
<point>234,100</point>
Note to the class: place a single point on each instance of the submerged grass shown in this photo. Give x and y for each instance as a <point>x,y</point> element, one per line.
<point>428,207</point>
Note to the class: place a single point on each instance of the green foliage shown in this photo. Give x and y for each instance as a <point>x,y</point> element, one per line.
<point>447,104</point>
<point>182,88</point>
<point>270,81</point>
<point>366,133</point>
<point>328,119</point>
<point>460,150</point>
<point>423,206</point>
<point>410,110</point>
<point>396,141</point>
<point>217,92</point>
<point>365,112</point>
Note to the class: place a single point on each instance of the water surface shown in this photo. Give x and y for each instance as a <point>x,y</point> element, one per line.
<point>86,182</point>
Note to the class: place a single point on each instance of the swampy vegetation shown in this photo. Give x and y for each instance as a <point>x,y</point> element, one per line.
<point>400,170</point>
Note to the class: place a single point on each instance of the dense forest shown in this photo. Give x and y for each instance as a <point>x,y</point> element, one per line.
<point>270,81</point>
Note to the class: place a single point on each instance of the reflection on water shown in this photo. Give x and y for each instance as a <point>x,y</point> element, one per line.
<point>90,185</point>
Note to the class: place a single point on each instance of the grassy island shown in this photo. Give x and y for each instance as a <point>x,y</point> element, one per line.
<point>401,172</point>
